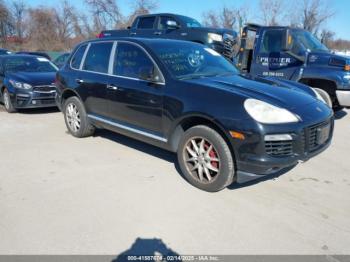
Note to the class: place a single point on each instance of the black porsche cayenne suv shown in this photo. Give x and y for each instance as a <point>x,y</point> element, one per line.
<point>188,99</point>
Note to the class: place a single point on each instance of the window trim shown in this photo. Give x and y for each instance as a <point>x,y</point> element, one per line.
<point>161,82</point>
<point>111,62</point>
<point>85,55</point>
<point>75,52</point>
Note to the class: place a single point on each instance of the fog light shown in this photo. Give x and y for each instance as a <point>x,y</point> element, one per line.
<point>278,137</point>
<point>34,102</point>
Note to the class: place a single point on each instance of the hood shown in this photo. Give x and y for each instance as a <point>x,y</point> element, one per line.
<point>220,31</point>
<point>33,78</point>
<point>328,59</point>
<point>287,95</point>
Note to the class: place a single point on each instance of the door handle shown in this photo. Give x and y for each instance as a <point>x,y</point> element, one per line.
<point>79,81</point>
<point>157,33</point>
<point>113,87</point>
<point>132,33</point>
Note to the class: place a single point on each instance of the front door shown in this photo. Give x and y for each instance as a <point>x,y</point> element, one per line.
<point>270,60</point>
<point>133,101</point>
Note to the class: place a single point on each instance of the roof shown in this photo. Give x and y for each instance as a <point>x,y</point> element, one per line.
<point>257,26</point>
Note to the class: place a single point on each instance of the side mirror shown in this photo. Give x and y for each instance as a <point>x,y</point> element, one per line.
<point>287,43</point>
<point>171,24</point>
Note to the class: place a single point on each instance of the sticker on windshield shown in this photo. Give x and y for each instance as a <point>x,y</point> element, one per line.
<point>42,59</point>
<point>211,51</point>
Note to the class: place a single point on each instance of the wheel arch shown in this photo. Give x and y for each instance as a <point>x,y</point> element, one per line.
<point>192,120</point>
<point>67,94</point>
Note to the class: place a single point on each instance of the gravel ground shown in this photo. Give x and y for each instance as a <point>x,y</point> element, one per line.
<point>107,194</point>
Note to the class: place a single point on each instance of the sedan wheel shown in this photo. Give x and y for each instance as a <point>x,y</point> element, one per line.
<point>73,117</point>
<point>76,118</point>
<point>202,160</point>
<point>205,159</point>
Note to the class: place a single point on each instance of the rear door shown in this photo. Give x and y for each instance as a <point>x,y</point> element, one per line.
<point>145,27</point>
<point>271,60</point>
<point>93,77</point>
<point>132,101</point>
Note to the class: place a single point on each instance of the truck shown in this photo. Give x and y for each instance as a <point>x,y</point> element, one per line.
<point>295,54</point>
<point>172,26</point>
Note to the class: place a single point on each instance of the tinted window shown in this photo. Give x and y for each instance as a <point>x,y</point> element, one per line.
<point>146,22</point>
<point>163,22</point>
<point>130,60</point>
<point>78,56</point>
<point>272,42</point>
<point>97,58</point>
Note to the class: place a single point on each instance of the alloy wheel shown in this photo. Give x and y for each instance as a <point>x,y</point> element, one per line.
<point>202,159</point>
<point>73,117</point>
<point>6,100</point>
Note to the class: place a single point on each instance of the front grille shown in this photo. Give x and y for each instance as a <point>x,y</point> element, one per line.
<point>228,43</point>
<point>313,136</point>
<point>44,89</point>
<point>279,148</point>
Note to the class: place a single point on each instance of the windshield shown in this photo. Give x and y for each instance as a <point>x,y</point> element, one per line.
<point>186,60</point>
<point>190,22</point>
<point>305,41</point>
<point>28,64</point>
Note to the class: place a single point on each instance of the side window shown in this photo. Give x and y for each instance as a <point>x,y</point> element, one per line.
<point>272,42</point>
<point>97,58</point>
<point>78,56</point>
<point>146,22</point>
<point>163,22</point>
<point>131,61</point>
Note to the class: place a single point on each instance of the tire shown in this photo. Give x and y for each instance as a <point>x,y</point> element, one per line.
<point>7,102</point>
<point>76,118</point>
<point>326,97</point>
<point>213,156</point>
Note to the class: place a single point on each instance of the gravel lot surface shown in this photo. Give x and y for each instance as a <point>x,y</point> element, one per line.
<point>103,194</point>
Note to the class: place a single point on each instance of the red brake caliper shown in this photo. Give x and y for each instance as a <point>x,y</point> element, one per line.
<point>212,154</point>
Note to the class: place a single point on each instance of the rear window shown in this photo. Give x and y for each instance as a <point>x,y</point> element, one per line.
<point>97,58</point>
<point>146,22</point>
<point>78,56</point>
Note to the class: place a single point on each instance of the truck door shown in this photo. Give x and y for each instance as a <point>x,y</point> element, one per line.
<point>145,27</point>
<point>270,59</point>
<point>168,27</point>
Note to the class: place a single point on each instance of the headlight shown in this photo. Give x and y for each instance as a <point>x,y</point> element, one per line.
<point>20,85</point>
<point>215,37</point>
<point>268,114</point>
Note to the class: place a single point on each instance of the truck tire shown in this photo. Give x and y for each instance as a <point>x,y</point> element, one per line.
<point>7,102</point>
<point>76,118</point>
<point>205,159</point>
<point>326,97</point>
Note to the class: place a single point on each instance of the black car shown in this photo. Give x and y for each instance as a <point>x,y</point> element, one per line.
<point>42,54</point>
<point>26,82</point>
<point>187,98</point>
<point>173,26</point>
<point>61,60</point>
<point>4,52</point>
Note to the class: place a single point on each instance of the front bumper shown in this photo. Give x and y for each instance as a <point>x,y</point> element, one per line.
<point>343,97</point>
<point>256,159</point>
<point>33,99</point>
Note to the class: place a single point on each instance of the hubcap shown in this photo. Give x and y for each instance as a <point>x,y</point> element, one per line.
<point>73,117</point>
<point>202,160</point>
<point>6,100</point>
